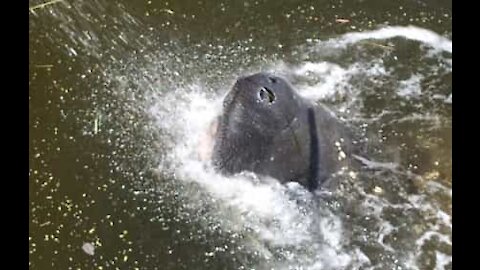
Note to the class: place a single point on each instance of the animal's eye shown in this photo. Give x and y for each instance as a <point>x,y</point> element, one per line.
<point>266,94</point>
<point>272,79</point>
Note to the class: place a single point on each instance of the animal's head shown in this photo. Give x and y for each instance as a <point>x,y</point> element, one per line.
<point>260,103</point>
<point>267,128</point>
<point>257,110</point>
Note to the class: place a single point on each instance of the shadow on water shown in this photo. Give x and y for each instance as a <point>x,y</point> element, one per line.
<point>119,93</point>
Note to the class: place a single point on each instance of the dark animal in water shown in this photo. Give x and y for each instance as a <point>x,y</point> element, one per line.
<point>267,128</point>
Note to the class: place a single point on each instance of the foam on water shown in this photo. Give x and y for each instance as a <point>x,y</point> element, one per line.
<point>425,36</point>
<point>449,99</point>
<point>410,87</point>
<point>442,260</point>
<point>330,75</point>
<point>331,79</point>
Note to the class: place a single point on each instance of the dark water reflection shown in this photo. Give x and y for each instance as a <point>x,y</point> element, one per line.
<point>96,67</point>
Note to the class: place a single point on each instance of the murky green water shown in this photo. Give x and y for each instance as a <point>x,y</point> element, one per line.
<point>120,92</point>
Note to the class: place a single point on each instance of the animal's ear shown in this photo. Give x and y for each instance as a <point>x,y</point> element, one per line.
<point>212,129</point>
<point>286,77</point>
<point>207,141</point>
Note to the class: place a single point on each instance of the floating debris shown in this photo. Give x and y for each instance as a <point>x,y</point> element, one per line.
<point>342,20</point>
<point>43,66</point>
<point>388,47</point>
<point>209,254</point>
<point>378,190</point>
<point>45,4</point>
<point>432,175</point>
<point>169,11</point>
<point>89,248</point>
<point>375,164</point>
<point>45,224</point>
<point>449,99</point>
<point>96,124</point>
